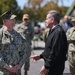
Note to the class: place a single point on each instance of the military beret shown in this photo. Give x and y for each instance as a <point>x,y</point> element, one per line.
<point>8,15</point>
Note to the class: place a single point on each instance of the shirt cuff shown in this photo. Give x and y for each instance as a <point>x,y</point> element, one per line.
<point>41,56</point>
<point>47,67</point>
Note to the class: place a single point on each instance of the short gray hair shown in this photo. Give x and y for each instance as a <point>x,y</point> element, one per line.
<point>55,14</point>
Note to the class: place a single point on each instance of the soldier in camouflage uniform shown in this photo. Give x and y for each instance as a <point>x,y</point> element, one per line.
<point>11,55</point>
<point>26,31</point>
<point>71,48</point>
<point>45,34</point>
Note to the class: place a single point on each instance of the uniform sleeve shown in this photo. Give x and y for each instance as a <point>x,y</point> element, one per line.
<point>32,33</point>
<point>3,64</point>
<point>45,35</point>
<point>70,36</point>
<point>16,27</point>
<point>23,55</point>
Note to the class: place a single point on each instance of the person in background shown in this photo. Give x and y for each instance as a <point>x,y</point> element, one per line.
<point>10,44</point>
<point>45,34</point>
<point>66,23</point>
<point>56,47</point>
<point>71,47</point>
<point>26,30</point>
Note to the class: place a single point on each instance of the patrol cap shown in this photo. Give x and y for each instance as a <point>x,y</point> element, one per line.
<point>25,16</point>
<point>73,19</point>
<point>8,15</point>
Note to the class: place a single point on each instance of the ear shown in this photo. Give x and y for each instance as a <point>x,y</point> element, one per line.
<point>4,21</point>
<point>53,19</point>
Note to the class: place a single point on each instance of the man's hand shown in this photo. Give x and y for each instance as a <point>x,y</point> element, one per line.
<point>43,70</point>
<point>17,67</point>
<point>11,69</point>
<point>35,57</point>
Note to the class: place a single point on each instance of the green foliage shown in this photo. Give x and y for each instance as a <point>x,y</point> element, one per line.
<point>6,5</point>
<point>63,10</point>
<point>40,13</point>
<point>36,12</point>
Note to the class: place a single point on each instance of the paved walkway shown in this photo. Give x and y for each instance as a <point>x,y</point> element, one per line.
<point>35,67</point>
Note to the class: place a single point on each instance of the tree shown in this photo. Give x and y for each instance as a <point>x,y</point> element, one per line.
<point>35,3</point>
<point>57,1</point>
<point>6,5</point>
<point>40,13</point>
<point>51,6</point>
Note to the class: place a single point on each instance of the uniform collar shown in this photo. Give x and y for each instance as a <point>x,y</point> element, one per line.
<point>5,31</point>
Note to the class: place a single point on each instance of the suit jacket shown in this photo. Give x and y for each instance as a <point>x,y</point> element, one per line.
<point>55,48</point>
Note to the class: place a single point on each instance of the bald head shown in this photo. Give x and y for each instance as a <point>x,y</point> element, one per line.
<point>66,18</point>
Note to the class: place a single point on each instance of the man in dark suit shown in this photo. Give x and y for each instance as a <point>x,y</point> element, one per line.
<point>56,47</point>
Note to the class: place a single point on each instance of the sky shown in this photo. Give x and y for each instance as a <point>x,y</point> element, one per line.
<point>21,3</point>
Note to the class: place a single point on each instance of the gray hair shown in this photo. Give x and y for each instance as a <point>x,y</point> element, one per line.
<point>54,14</point>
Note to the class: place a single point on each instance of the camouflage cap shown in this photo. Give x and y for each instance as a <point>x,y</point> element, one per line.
<point>73,19</point>
<point>8,15</point>
<point>25,16</point>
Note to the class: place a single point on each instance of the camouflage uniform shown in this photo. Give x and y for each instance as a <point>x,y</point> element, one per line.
<point>10,51</point>
<point>71,49</point>
<point>26,31</point>
<point>45,34</point>
<point>12,46</point>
